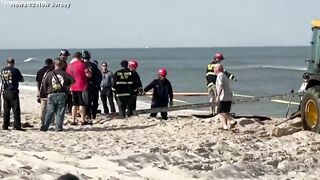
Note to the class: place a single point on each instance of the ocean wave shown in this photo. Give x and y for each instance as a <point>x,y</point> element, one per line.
<point>28,87</point>
<point>30,59</point>
<point>29,75</point>
<point>286,68</point>
<point>269,67</point>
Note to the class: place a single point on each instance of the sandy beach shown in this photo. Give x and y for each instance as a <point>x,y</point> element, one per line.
<point>184,147</point>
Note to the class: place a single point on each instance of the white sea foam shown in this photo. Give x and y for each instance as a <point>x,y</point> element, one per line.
<point>29,59</point>
<point>29,75</point>
<point>27,87</point>
<point>286,68</point>
<point>268,67</point>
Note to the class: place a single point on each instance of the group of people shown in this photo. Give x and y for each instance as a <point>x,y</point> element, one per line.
<point>74,88</point>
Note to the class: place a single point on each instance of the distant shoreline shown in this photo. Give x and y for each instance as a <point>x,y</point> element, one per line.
<point>124,48</point>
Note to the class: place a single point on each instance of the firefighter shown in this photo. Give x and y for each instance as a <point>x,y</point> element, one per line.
<point>11,77</point>
<point>211,79</point>
<point>123,88</point>
<point>162,93</point>
<point>133,65</point>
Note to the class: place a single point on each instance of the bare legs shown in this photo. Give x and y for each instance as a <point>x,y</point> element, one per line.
<point>82,113</point>
<point>227,118</point>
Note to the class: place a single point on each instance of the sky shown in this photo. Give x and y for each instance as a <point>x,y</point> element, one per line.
<point>158,23</point>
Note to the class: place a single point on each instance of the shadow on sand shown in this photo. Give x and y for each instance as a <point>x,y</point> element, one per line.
<point>93,128</point>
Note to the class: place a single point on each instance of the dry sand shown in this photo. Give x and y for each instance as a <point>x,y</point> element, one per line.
<point>184,147</point>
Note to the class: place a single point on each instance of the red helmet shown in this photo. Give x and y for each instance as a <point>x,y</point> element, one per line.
<point>133,64</point>
<point>218,57</point>
<point>162,72</point>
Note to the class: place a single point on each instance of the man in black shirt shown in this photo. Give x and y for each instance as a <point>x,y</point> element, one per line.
<point>11,77</point>
<point>63,56</point>
<point>43,71</point>
<point>93,86</point>
<point>56,84</point>
<point>42,95</point>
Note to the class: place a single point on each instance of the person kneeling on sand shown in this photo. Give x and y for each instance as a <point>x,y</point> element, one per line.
<point>224,97</point>
<point>56,84</point>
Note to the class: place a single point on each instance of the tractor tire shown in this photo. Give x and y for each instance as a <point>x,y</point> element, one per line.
<point>310,109</point>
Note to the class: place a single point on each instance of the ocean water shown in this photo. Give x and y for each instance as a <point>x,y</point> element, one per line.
<point>260,70</point>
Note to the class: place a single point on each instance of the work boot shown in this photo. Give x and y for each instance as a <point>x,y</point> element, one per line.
<point>19,129</point>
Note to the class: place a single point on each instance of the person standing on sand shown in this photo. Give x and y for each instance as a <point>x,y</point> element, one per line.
<point>162,93</point>
<point>224,97</point>
<point>133,65</point>
<point>80,73</point>
<point>211,79</point>
<point>11,77</point>
<point>56,84</point>
<point>123,88</point>
<point>64,54</point>
<point>106,92</point>
<point>41,94</point>
<point>93,86</point>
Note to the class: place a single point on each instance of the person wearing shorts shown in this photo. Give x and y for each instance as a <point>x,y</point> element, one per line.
<point>80,73</point>
<point>224,107</point>
<point>211,80</point>
<point>224,97</point>
<point>78,98</point>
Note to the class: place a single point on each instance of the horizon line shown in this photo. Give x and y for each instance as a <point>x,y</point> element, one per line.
<point>191,47</point>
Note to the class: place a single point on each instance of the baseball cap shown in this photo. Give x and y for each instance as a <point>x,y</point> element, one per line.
<point>65,52</point>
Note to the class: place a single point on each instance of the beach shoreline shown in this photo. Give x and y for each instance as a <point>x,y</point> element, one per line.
<point>184,147</point>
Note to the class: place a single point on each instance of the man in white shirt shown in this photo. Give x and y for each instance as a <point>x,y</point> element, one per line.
<point>224,97</point>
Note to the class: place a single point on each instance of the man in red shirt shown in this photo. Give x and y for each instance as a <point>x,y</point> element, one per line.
<point>80,73</point>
